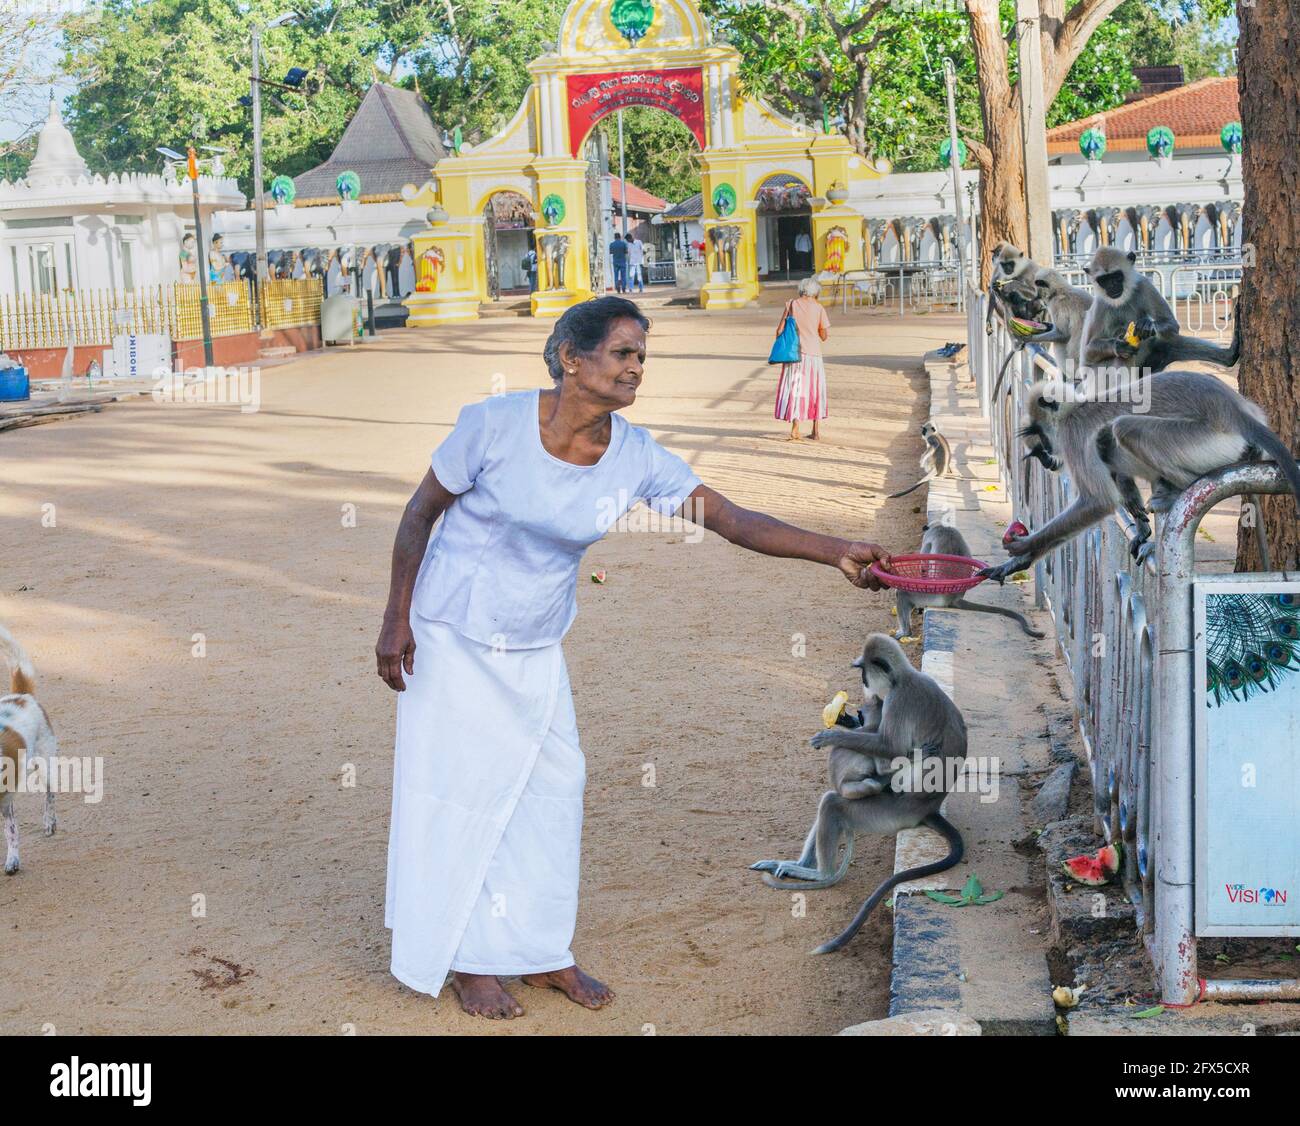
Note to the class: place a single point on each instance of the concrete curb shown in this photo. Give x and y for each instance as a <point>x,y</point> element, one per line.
<point>975,961</point>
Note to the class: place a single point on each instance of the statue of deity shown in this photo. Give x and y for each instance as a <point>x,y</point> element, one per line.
<point>217,261</point>
<point>189,260</point>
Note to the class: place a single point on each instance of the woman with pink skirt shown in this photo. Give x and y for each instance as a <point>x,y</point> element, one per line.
<point>801,392</point>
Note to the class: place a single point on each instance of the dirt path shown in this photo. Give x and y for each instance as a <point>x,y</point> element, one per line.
<point>232,877</point>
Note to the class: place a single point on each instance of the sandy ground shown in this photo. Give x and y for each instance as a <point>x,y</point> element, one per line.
<point>232,877</point>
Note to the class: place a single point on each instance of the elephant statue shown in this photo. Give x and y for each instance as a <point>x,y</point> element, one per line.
<point>726,243</point>
<point>555,251</point>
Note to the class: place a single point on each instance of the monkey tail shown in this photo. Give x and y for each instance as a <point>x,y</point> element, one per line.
<point>922,481</point>
<point>956,849</point>
<point>997,383</point>
<point>1260,435</point>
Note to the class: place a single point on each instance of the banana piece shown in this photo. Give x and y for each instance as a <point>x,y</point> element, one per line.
<point>1131,336</point>
<point>832,711</point>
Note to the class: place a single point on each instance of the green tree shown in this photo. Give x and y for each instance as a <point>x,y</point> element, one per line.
<point>873,69</point>
<point>171,72</point>
<point>1199,37</point>
<point>471,67</point>
<point>659,152</point>
<point>28,53</point>
<point>885,91</point>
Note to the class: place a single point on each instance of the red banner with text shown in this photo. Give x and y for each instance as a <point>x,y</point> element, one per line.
<point>679,91</point>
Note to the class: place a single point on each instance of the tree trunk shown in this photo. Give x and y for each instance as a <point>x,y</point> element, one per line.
<point>1000,157</point>
<point>1270,304</point>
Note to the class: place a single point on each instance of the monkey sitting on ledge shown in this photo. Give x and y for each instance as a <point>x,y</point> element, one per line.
<point>906,709</point>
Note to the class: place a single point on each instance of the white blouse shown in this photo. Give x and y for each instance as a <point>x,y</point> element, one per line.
<point>501,568</point>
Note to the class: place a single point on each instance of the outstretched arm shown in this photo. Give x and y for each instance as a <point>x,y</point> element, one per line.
<point>756,531</point>
<point>1082,514</point>
<point>395,649</point>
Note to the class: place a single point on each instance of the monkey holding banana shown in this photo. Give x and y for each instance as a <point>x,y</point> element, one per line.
<point>873,792</point>
<point>1125,297</point>
<point>1012,282</point>
<point>943,539</point>
<point>1186,425</point>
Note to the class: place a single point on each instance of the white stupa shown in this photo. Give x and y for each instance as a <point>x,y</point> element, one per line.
<point>63,227</point>
<point>56,157</point>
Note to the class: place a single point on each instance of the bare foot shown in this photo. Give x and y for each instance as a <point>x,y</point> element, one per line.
<point>816,432</point>
<point>482,995</point>
<point>575,985</point>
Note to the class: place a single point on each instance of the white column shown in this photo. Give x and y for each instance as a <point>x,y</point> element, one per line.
<point>728,127</point>
<point>715,107</point>
<point>546,107</point>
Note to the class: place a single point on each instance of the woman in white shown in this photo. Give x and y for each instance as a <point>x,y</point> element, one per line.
<point>488,777</point>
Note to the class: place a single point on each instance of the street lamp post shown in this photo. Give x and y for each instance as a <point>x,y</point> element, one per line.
<point>259,204</point>
<point>260,269</point>
<point>954,164</point>
<point>192,167</point>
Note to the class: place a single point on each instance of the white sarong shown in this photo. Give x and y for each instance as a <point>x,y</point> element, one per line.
<point>487,812</point>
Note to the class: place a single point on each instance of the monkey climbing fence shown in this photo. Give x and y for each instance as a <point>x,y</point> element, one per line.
<point>1125,632</point>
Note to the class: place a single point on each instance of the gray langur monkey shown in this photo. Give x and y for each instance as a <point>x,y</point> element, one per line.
<point>1125,297</point>
<point>1192,425</point>
<point>873,791</point>
<point>1012,282</point>
<point>1067,309</point>
<point>943,539</point>
<point>936,460</point>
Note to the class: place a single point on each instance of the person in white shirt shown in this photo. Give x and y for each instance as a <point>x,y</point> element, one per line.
<point>488,772</point>
<point>636,263</point>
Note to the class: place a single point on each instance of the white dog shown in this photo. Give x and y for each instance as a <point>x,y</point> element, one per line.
<point>25,733</point>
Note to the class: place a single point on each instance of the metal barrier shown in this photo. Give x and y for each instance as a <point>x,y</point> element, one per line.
<point>1124,631</point>
<point>905,287</point>
<point>1201,291</point>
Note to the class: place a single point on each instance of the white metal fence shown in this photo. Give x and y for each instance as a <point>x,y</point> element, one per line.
<point>1124,630</point>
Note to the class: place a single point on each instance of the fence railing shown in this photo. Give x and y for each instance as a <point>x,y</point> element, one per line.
<point>903,287</point>
<point>1124,631</point>
<point>90,317</point>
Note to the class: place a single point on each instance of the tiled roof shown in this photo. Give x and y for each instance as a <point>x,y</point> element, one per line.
<point>390,141</point>
<point>1195,112</point>
<point>692,207</point>
<point>638,199</point>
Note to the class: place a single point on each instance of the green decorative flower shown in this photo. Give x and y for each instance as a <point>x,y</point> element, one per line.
<point>1231,136</point>
<point>632,18</point>
<point>348,185</point>
<point>724,200</point>
<point>1160,141</point>
<point>553,209</point>
<point>1092,143</point>
<point>282,190</point>
<point>945,151</point>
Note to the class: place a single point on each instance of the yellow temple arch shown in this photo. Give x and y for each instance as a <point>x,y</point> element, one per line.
<point>612,54</point>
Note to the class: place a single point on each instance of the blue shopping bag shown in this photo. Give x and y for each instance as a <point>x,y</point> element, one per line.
<point>785,349</point>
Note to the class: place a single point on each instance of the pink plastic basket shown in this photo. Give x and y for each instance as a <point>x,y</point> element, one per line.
<point>930,574</point>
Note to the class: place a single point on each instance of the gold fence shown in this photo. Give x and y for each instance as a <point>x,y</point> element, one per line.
<point>93,317</point>
<point>287,303</point>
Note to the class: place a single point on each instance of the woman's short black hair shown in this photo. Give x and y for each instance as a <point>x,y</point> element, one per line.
<point>584,328</point>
